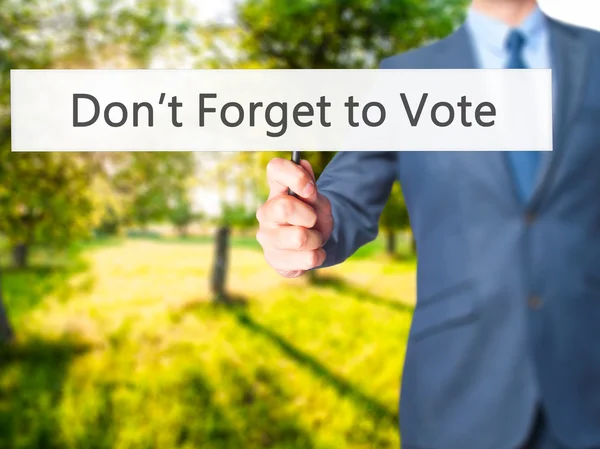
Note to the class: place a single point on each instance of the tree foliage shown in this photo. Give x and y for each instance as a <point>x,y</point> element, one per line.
<point>181,212</point>
<point>45,198</point>
<point>330,34</point>
<point>153,184</point>
<point>394,217</point>
<point>50,198</point>
<point>238,216</point>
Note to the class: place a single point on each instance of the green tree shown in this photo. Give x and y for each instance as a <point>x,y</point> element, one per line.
<point>152,184</point>
<point>238,216</point>
<point>394,218</point>
<point>47,198</point>
<point>110,223</point>
<point>227,173</point>
<point>340,34</point>
<point>54,34</point>
<point>181,213</point>
<point>336,34</point>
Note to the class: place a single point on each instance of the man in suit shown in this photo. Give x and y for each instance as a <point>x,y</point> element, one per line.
<point>504,348</point>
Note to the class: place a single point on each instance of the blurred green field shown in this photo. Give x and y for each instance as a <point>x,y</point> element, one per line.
<point>119,346</point>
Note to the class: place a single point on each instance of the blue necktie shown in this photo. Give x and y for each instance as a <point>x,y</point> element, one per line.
<point>524,163</point>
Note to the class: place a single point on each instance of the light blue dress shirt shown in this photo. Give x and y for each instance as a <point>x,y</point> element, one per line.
<point>489,37</point>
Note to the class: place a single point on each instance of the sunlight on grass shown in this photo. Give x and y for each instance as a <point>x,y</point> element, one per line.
<point>137,356</point>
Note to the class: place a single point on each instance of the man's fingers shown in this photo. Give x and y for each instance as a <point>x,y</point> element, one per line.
<point>285,209</point>
<point>290,246</point>
<point>290,238</point>
<point>289,261</point>
<point>284,174</point>
<point>306,165</point>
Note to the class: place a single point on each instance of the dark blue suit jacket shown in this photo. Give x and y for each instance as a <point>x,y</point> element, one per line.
<point>508,310</point>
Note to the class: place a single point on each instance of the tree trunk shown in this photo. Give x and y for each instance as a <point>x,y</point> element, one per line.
<point>391,242</point>
<point>220,264</point>
<point>413,243</point>
<point>183,231</point>
<point>20,255</point>
<point>6,332</point>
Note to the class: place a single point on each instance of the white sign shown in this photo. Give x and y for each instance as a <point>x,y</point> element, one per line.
<point>247,110</point>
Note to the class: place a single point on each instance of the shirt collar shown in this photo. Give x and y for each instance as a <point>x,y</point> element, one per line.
<point>492,32</point>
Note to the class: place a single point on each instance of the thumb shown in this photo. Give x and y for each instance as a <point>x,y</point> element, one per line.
<point>312,200</point>
<point>306,166</point>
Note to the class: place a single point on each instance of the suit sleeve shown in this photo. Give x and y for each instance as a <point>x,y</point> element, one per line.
<point>358,185</point>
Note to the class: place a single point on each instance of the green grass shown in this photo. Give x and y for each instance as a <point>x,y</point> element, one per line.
<point>119,346</point>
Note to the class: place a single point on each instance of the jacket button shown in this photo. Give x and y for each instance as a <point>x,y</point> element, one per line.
<point>535,302</point>
<point>530,218</point>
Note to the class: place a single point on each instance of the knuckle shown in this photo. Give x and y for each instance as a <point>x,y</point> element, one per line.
<point>313,218</point>
<point>318,239</point>
<point>261,238</point>
<point>298,238</point>
<point>285,207</point>
<point>273,166</point>
<point>270,259</point>
<point>260,213</point>
<point>312,259</point>
<point>300,177</point>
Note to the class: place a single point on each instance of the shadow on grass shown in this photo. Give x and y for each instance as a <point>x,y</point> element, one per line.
<point>254,412</point>
<point>32,375</point>
<point>343,387</point>
<point>374,409</point>
<point>268,420</point>
<point>207,424</point>
<point>230,300</point>
<point>26,288</point>
<point>403,258</point>
<point>346,288</point>
<point>234,410</point>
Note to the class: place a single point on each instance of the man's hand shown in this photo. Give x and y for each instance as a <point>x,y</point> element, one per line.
<point>293,230</point>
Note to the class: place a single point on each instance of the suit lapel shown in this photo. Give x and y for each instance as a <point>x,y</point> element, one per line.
<point>456,51</point>
<point>569,62</point>
<point>490,167</point>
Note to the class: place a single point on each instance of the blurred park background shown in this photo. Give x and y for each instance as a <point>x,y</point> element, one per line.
<point>136,309</point>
